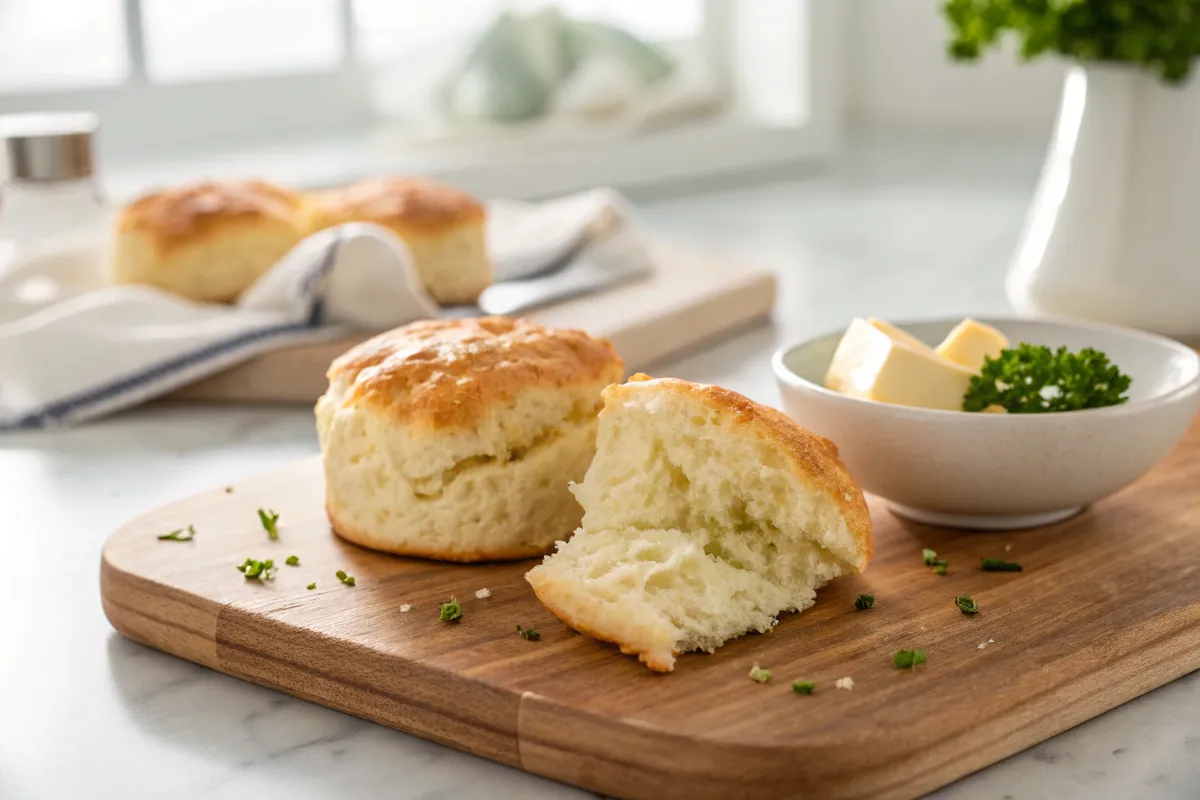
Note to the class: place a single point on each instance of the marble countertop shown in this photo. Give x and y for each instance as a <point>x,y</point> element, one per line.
<point>899,229</point>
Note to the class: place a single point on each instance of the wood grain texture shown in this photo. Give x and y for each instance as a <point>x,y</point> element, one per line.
<point>690,298</point>
<point>1108,607</point>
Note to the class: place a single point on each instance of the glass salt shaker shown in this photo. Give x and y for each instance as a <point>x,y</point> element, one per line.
<point>48,190</point>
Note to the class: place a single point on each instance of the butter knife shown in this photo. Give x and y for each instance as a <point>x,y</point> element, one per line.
<point>580,277</point>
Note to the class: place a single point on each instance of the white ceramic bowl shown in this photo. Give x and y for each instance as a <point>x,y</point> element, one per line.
<point>997,471</point>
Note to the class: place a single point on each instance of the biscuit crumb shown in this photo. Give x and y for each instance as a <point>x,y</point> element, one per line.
<point>405,608</point>
<point>845,683</point>
<point>483,594</point>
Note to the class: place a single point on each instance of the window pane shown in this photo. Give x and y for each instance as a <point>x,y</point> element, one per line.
<point>60,44</point>
<point>390,29</point>
<point>655,20</point>
<point>190,39</point>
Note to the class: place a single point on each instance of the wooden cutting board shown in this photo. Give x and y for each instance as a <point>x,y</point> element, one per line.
<point>1108,607</point>
<point>689,298</point>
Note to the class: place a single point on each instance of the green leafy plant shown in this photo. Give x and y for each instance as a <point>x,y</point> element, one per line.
<point>1161,35</point>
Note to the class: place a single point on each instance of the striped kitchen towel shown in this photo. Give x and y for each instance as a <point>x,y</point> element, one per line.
<point>73,348</point>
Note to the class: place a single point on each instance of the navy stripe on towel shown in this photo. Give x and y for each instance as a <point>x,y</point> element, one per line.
<point>63,410</point>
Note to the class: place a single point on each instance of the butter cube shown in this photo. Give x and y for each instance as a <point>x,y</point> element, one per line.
<point>872,365</point>
<point>900,335</point>
<point>970,342</point>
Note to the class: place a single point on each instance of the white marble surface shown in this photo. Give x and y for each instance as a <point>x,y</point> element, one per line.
<point>900,230</point>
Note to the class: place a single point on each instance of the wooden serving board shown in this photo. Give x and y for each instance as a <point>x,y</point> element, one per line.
<point>1108,607</point>
<point>689,298</point>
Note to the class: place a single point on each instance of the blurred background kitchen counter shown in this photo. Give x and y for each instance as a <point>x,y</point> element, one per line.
<point>90,714</point>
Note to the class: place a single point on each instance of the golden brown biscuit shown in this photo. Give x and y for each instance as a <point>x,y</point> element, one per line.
<point>207,241</point>
<point>456,439</point>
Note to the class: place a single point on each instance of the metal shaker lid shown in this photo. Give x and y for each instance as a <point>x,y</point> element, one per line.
<point>48,147</point>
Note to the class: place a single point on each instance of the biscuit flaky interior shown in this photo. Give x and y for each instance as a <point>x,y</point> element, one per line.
<point>707,515</point>
<point>456,440</point>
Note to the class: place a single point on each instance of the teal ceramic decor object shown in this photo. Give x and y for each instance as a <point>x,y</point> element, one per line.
<point>584,40</point>
<point>512,72</point>
<point>498,81</point>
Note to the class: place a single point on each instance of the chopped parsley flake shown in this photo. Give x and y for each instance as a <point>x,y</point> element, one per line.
<point>270,522</point>
<point>181,535</point>
<point>759,675</point>
<point>908,659</point>
<point>450,611</point>
<point>257,570</point>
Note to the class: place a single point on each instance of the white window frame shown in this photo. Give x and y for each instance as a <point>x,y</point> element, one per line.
<point>334,111</point>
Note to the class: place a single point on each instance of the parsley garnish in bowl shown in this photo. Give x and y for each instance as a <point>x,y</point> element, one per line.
<point>1033,379</point>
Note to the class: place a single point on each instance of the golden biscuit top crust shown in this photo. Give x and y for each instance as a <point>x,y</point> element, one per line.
<point>445,373</point>
<point>814,458</point>
<point>189,210</point>
<point>409,203</point>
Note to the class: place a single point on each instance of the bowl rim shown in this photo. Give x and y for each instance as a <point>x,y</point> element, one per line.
<point>785,375</point>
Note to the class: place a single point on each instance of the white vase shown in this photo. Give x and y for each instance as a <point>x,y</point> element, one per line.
<point>1114,231</point>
